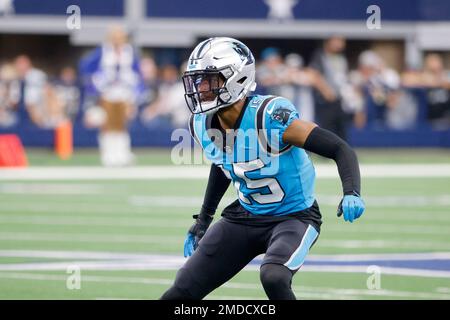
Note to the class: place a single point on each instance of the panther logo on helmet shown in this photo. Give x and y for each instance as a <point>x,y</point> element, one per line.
<point>221,71</point>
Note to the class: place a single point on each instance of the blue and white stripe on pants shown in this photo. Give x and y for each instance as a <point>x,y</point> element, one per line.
<point>298,257</point>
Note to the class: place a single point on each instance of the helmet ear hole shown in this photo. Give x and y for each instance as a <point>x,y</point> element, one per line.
<point>241,80</point>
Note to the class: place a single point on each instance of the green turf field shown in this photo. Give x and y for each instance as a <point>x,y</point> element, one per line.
<point>113,229</point>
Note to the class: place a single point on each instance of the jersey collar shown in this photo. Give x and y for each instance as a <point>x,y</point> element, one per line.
<point>212,122</point>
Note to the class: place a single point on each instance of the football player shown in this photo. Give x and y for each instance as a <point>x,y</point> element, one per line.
<point>257,143</point>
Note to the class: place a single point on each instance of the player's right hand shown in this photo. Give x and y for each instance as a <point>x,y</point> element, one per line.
<point>196,232</point>
<point>189,244</point>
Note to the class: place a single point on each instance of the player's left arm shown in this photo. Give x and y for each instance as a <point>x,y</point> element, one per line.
<point>309,136</point>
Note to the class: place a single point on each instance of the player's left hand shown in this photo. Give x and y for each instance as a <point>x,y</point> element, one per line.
<point>196,233</point>
<point>352,207</point>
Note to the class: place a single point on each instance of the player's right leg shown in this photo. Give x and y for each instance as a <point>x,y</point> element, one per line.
<point>222,253</point>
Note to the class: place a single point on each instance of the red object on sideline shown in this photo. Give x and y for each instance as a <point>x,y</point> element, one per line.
<point>64,140</point>
<point>12,153</point>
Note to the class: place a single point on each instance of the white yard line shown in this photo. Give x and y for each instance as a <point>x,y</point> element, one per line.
<point>135,261</point>
<point>383,270</point>
<point>102,173</point>
<point>381,256</point>
<point>403,217</point>
<point>371,201</point>
<point>52,188</point>
<point>93,221</point>
<point>301,291</point>
<point>201,172</point>
<point>165,223</point>
<point>114,212</point>
<point>154,239</point>
<point>74,207</point>
<point>142,265</point>
<point>373,293</point>
<point>390,229</point>
<point>394,201</point>
<point>108,255</point>
<point>405,244</point>
<point>338,291</point>
<point>89,237</point>
<point>95,255</point>
<point>145,205</point>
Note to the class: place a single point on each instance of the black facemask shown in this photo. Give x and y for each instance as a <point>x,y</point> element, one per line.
<point>203,87</point>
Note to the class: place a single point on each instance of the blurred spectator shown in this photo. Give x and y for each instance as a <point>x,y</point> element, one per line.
<point>297,90</point>
<point>290,79</point>
<point>402,111</point>
<point>436,81</point>
<point>169,108</point>
<point>68,91</point>
<point>331,63</point>
<point>114,86</point>
<point>9,96</point>
<point>384,103</point>
<point>299,84</point>
<point>52,108</point>
<point>6,8</point>
<point>271,72</point>
<point>38,101</point>
<point>149,93</point>
<point>111,73</point>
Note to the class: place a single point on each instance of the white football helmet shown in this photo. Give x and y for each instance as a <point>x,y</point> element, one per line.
<point>220,71</point>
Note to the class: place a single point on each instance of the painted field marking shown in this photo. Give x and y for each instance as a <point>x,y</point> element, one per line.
<point>133,261</point>
<point>201,172</point>
<point>165,223</point>
<point>299,290</point>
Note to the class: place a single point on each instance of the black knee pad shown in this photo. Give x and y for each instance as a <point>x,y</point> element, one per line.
<point>276,280</point>
<point>184,288</point>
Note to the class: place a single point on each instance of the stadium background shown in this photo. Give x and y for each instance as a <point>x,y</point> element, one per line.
<point>124,227</point>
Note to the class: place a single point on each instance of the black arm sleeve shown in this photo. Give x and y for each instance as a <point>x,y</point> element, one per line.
<point>327,144</point>
<point>217,186</point>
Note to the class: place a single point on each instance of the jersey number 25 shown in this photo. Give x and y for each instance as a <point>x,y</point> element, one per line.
<point>276,192</point>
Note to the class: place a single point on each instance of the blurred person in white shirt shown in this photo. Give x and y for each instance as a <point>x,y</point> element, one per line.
<point>37,96</point>
<point>114,69</point>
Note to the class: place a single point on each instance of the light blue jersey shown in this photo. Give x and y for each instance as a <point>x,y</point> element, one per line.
<point>271,177</point>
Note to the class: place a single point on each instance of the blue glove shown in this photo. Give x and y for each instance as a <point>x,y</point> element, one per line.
<point>196,232</point>
<point>352,206</point>
<point>189,245</point>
